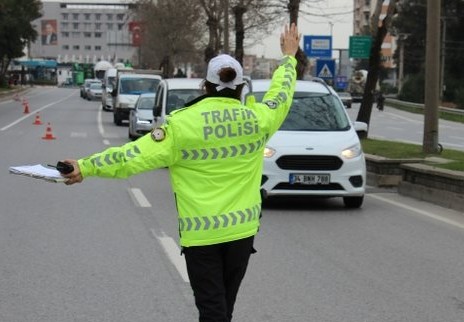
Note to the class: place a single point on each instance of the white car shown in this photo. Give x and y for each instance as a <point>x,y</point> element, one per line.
<point>174,93</point>
<point>141,117</point>
<point>316,151</point>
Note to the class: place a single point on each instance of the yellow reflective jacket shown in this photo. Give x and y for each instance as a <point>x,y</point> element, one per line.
<point>214,152</point>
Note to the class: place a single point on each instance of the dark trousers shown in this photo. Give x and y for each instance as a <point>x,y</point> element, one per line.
<point>215,274</point>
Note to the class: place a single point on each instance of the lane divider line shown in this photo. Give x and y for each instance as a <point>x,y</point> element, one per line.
<point>172,251</point>
<point>32,114</point>
<point>139,198</point>
<point>419,211</point>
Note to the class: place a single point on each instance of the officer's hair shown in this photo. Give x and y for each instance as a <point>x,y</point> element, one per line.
<point>226,75</point>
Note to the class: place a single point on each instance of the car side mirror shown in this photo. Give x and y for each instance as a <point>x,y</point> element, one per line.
<point>156,111</point>
<point>360,127</point>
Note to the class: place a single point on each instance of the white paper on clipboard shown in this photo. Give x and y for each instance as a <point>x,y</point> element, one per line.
<point>38,171</point>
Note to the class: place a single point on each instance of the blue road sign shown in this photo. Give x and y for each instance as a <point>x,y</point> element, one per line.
<point>318,46</point>
<point>341,82</point>
<point>325,68</point>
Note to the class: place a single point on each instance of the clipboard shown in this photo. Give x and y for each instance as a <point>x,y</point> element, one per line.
<point>38,171</point>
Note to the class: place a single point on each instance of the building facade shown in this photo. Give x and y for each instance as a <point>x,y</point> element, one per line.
<point>86,32</point>
<point>362,12</point>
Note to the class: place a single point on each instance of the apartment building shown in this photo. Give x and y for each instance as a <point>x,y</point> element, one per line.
<point>362,12</point>
<point>86,31</point>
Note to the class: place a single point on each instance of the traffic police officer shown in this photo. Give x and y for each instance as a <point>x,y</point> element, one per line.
<point>214,151</point>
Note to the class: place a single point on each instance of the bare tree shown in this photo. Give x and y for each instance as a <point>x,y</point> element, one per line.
<point>214,14</point>
<point>379,29</point>
<point>253,19</point>
<point>169,36</point>
<point>293,7</point>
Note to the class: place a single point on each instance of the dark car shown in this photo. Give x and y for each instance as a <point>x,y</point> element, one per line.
<point>346,98</point>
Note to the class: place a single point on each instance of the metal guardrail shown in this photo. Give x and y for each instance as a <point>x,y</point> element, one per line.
<point>417,105</point>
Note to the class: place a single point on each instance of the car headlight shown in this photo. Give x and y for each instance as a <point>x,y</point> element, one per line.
<point>352,152</point>
<point>139,121</point>
<point>269,152</point>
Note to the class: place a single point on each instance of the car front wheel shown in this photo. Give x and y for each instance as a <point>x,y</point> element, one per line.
<point>353,202</point>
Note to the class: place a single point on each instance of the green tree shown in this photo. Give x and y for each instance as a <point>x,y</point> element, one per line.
<point>16,30</point>
<point>411,22</point>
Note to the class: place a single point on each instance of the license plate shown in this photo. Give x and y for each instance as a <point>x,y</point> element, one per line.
<point>311,179</point>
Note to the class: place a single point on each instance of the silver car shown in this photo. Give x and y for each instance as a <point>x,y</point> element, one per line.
<point>94,93</point>
<point>141,117</point>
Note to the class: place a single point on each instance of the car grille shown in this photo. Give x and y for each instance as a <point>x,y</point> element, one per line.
<point>309,162</point>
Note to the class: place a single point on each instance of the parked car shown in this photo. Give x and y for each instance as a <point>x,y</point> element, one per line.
<point>346,98</point>
<point>141,117</point>
<point>86,85</point>
<point>94,92</point>
<point>316,151</point>
<point>173,93</point>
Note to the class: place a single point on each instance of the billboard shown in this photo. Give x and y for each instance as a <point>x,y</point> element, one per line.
<point>49,32</point>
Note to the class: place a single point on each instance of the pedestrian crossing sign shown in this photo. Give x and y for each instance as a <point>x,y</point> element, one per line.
<point>325,68</point>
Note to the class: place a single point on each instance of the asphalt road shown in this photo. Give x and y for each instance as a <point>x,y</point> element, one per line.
<point>396,125</point>
<point>106,250</point>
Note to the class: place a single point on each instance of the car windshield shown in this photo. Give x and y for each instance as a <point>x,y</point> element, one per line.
<point>313,112</point>
<point>146,103</point>
<point>88,84</point>
<point>137,86</point>
<point>178,97</point>
<point>95,86</point>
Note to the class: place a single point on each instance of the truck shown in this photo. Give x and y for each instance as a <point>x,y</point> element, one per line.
<point>357,84</point>
<point>100,68</point>
<point>128,86</point>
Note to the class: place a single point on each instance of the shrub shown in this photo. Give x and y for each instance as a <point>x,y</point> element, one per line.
<point>413,89</point>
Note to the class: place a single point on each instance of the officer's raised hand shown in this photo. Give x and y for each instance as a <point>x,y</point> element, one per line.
<point>290,40</point>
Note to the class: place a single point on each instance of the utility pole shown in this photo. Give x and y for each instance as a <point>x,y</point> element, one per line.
<point>432,78</point>
<point>442,64</point>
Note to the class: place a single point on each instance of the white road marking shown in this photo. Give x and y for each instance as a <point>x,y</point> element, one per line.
<point>139,198</point>
<point>100,123</point>
<point>419,211</point>
<point>33,114</point>
<point>106,142</point>
<point>173,252</point>
<point>405,118</point>
<point>78,134</point>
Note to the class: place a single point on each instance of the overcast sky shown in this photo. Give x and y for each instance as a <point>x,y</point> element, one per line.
<point>337,12</point>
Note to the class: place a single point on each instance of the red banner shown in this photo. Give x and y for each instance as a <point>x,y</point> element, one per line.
<point>136,30</point>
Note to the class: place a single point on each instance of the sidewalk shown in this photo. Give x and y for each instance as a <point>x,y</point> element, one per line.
<point>9,93</point>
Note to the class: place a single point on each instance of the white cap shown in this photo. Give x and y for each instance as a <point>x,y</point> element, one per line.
<point>223,61</point>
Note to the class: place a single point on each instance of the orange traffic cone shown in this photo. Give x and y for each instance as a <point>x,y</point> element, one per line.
<point>16,98</point>
<point>26,106</point>
<point>37,119</point>
<point>48,133</point>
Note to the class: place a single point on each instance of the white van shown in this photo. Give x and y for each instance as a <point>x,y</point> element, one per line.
<point>129,85</point>
<point>109,82</point>
<point>316,151</point>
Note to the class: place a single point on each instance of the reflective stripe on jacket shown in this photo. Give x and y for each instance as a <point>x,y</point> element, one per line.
<point>214,151</point>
